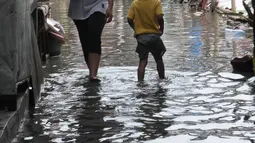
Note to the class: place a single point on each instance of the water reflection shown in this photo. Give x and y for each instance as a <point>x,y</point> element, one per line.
<point>154,125</point>
<point>196,42</point>
<point>91,122</point>
<point>53,66</point>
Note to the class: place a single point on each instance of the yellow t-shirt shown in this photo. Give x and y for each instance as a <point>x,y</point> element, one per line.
<point>144,14</point>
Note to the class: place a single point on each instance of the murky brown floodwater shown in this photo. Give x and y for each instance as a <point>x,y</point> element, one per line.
<point>200,102</point>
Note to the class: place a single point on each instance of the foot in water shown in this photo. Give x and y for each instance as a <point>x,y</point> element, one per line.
<point>94,79</point>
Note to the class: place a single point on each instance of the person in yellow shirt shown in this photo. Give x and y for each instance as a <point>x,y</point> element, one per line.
<point>145,17</point>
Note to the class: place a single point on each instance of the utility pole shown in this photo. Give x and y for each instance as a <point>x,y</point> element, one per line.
<point>233,3</point>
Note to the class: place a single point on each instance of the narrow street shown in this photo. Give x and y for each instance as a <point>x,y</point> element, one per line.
<point>201,101</point>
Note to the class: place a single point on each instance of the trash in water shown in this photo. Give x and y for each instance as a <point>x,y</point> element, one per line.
<point>198,13</point>
<point>234,34</point>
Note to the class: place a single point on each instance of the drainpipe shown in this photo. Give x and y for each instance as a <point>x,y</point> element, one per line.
<point>233,2</point>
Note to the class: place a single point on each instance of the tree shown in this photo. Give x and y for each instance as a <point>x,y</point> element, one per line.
<point>250,14</point>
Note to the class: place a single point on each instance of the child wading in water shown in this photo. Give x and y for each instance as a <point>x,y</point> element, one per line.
<point>146,19</point>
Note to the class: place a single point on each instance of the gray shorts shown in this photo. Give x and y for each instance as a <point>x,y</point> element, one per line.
<point>150,43</point>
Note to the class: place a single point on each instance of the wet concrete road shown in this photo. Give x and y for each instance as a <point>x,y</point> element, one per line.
<point>200,102</point>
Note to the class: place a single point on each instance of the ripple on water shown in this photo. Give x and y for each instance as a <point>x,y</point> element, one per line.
<point>231,75</point>
<point>119,106</point>
<point>210,139</point>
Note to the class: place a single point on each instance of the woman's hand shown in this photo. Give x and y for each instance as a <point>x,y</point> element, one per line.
<point>109,15</point>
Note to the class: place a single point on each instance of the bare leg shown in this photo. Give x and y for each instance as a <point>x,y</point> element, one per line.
<point>96,24</point>
<point>94,61</point>
<point>141,69</point>
<point>161,69</point>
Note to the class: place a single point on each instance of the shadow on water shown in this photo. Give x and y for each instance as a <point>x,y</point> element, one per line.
<point>153,100</point>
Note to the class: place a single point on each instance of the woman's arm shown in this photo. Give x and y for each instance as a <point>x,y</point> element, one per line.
<point>109,13</point>
<point>110,3</point>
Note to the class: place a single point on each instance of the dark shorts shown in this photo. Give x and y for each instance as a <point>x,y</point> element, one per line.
<point>150,43</point>
<point>90,31</point>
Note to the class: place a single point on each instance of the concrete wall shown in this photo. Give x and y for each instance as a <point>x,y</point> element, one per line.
<point>19,56</point>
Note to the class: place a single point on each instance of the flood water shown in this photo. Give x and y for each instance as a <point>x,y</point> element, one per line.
<point>201,101</point>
